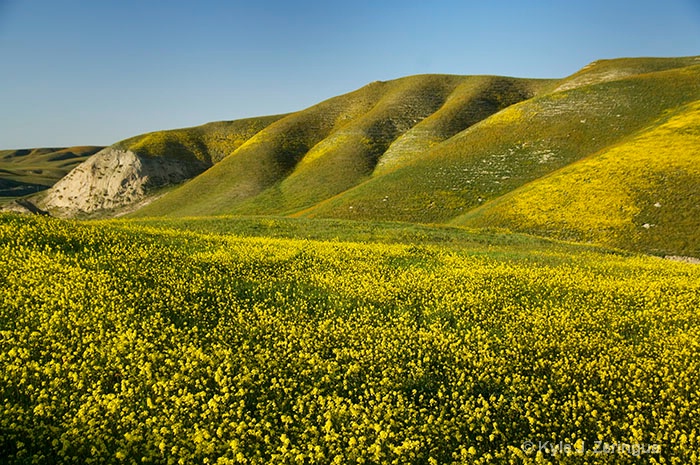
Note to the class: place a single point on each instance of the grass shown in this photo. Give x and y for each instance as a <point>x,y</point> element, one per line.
<point>337,230</point>
<point>209,143</point>
<point>641,194</point>
<point>270,156</point>
<point>474,100</point>
<point>392,134</point>
<point>607,70</point>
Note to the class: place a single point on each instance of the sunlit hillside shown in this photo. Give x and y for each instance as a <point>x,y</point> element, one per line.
<point>516,146</point>
<point>316,153</point>
<point>643,193</point>
<point>607,155</point>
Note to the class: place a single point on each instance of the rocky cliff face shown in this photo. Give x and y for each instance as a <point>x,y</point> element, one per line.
<point>113,179</point>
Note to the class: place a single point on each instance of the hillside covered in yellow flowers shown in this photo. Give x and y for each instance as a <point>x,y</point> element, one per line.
<point>608,155</point>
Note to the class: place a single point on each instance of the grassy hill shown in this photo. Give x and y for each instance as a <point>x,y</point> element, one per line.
<point>516,146</point>
<point>208,143</point>
<point>27,171</point>
<point>643,193</point>
<point>464,150</point>
<point>440,149</point>
<point>314,154</point>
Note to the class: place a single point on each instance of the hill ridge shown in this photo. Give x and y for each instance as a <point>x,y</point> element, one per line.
<point>430,148</point>
<point>27,171</point>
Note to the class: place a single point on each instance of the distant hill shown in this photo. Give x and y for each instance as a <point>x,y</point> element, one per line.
<point>28,171</point>
<point>608,155</point>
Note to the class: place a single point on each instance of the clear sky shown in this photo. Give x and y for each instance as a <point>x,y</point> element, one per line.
<point>80,72</point>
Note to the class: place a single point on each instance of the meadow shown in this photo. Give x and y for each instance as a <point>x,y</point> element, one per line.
<point>276,340</point>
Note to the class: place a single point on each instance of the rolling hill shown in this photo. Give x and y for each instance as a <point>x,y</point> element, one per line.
<point>327,149</point>
<point>29,171</point>
<point>516,146</point>
<point>123,176</point>
<point>585,158</point>
<point>643,193</point>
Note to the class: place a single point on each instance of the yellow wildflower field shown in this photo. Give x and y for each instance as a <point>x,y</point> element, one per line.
<point>124,343</point>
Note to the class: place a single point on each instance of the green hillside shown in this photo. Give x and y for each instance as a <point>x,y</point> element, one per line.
<point>643,193</point>
<point>516,146</point>
<point>27,171</point>
<point>208,143</point>
<point>324,150</point>
<point>464,150</point>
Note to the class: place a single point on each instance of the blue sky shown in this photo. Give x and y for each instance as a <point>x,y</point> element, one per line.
<point>95,72</point>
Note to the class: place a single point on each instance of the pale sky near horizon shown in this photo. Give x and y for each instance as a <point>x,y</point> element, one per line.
<point>95,72</point>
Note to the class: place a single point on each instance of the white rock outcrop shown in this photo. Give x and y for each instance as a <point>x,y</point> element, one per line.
<point>113,179</point>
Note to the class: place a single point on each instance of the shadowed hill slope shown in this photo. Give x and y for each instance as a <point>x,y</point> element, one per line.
<point>475,99</point>
<point>320,152</point>
<point>266,158</point>
<point>516,146</point>
<point>208,143</point>
<point>24,172</point>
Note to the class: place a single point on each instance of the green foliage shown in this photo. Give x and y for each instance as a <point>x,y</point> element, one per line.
<point>140,343</point>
